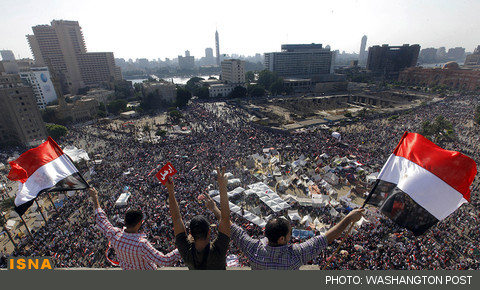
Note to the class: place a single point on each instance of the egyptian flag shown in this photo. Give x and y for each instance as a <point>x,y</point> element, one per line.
<point>421,183</point>
<point>43,169</point>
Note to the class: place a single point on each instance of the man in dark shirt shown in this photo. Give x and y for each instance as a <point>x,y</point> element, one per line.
<point>197,251</point>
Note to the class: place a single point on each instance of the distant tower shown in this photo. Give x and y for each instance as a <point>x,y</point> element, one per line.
<point>217,45</point>
<point>363,53</point>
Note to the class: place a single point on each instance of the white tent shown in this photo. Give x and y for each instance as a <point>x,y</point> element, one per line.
<point>2,166</point>
<point>306,218</point>
<point>293,215</point>
<point>76,154</point>
<point>372,177</point>
<point>337,136</point>
<point>235,208</point>
<point>234,181</point>
<point>249,192</point>
<point>228,175</point>
<point>331,178</point>
<point>122,199</point>
<point>333,212</point>
<point>213,193</point>
<point>11,224</point>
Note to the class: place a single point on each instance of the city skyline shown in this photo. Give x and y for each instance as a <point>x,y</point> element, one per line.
<point>157,30</point>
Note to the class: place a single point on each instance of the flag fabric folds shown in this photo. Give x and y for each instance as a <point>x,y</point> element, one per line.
<point>421,183</point>
<point>43,169</point>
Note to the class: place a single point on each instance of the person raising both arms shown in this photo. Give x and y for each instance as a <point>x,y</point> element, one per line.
<point>197,251</point>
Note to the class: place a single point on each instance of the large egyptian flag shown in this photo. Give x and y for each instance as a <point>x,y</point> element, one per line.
<point>421,183</point>
<point>43,169</point>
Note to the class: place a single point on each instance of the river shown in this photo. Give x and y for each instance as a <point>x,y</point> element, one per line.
<point>176,80</point>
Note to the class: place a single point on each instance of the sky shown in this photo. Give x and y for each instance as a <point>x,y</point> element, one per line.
<point>156,29</point>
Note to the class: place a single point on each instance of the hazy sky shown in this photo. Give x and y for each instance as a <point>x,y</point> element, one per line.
<point>158,28</point>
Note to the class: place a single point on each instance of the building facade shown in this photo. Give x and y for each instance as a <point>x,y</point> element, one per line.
<point>186,62</point>
<point>40,81</point>
<point>7,55</point>
<point>451,76</point>
<point>166,90</point>
<point>80,111</point>
<point>220,90</point>
<point>387,61</point>
<point>473,60</point>
<point>61,46</point>
<point>362,58</point>
<point>20,119</point>
<point>300,60</point>
<point>233,71</point>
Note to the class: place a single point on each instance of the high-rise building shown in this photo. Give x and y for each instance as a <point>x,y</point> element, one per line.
<point>300,60</point>
<point>7,55</point>
<point>61,46</point>
<point>233,71</point>
<point>473,60</point>
<point>457,53</point>
<point>428,55</point>
<point>20,119</point>
<point>186,62</point>
<point>363,53</point>
<point>209,56</point>
<point>40,81</point>
<point>217,46</point>
<point>388,61</point>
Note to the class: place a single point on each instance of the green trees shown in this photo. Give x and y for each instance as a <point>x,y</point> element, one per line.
<point>183,96</point>
<point>256,90</point>
<point>197,88</point>
<point>238,92</point>
<point>56,131</point>
<point>440,130</point>
<point>249,76</point>
<point>271,82</point>
<point>117,106</point>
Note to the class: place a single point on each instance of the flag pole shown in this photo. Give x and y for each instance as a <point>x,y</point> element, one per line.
<point>351,226</point>
<point>25,224</point>
<point>41,212</point>
<point>339,246</point>
<point>7,231</point>
<point>50,198</point>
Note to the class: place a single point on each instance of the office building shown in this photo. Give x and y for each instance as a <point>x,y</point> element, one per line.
<point>20,119</point>
<point>186,62</point>
<point>209,59</point>
<point>428,55</point>
<point>61,47</point>
<point>40,81</point>
<point>7,55</point>
<point>164,90</point>
<point>456,54</point>
<point>387,61</point>
<point>300,60</point>
<point>363,53</point>
<point>233,71</point>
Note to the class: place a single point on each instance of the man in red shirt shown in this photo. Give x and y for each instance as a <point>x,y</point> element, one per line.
<point>132,248</point>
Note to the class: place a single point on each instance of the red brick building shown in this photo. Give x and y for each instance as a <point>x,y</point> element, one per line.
<point>451,75</point>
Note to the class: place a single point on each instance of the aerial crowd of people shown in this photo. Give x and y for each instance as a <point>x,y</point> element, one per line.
<point>221,134</point>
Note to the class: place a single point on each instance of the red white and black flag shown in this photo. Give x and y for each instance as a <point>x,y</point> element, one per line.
<point>421,183</point>
<point>43,169</point>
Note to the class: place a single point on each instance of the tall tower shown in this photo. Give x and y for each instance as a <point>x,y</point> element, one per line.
<point>217,45</point>
<point>363,45</point>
